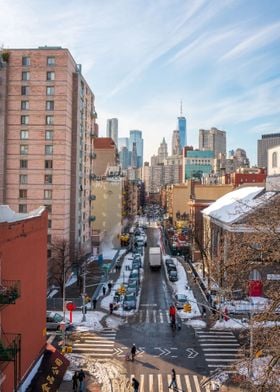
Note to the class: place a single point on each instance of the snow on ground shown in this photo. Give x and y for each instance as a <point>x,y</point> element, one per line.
<point>92,322</point>
<point>181,287</point>
<point>259,371</point>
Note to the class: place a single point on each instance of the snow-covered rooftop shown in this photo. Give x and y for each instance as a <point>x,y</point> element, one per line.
<point>8,215</point>
<point>235,204</point>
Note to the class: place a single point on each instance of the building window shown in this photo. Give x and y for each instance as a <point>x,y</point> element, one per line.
<point>22,208</point>
<point>274,159</point>
<point>50,90</point>
<point>23,164</point>
<point>49,253</point>
<point>49,238</point>
<point>23,193</point>
<point>25,75</point>
<point>48,208</point>
<point>50,61</point>
<point>25,90</point>
<point>49,223</point>
<point>48,164</point>
<point>49,135</point>
<point>48,179</point>
<point>48,149</point>
<point>25,61</point>
<point>24,105</point>
<point>49,105</point>
<point>23,149</point>
<point>23,179</point>
<point>50,75</point>
<point>24,120</point>
<point>24,135</point>
<point>47,194</point>
<point>49,120</point>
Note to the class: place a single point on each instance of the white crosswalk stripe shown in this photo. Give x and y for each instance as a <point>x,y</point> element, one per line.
<point>153,316</point>
<point>161,382</point>
<point>220,348</point>
<point>99,346</point>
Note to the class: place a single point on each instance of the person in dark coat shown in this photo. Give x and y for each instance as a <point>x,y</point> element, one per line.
<point>75,379</point>
<point>109,286</point>
<point>135,384</point>
<point>81,377</point>
<point>111,306</point>
<point>104,290</point>
<point>94,302</point>
<point>173,379</point>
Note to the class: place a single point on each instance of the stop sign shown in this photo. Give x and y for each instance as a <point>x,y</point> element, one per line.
<point>70,306</point>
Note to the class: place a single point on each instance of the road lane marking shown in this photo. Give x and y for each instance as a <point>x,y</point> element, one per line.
<point>142,383</point>
<point>188,384</point>
<point>161,317</point>
<point>178,381</point>
<point>196,383</point>
<point>154,316</point>
<point>160,385</point>
<point>147,316</point>
<point>151,383</point>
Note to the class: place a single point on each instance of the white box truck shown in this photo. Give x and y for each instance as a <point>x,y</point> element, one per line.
<point>155,257</point>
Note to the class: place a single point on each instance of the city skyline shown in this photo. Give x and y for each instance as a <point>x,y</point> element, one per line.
<point>141,59</point>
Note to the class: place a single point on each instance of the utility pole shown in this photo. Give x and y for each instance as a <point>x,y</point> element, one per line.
<point>84,291</point>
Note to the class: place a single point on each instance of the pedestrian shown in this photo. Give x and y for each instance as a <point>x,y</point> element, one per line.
<point>135,384</point>
<point>203,310</point>
<point>111,307</point>
<point>75,379</point>
<point>133,352</point>
<point>81,377</point>
<point>173,379</point>
<point>109,287</point>
<point>104,290</point>
<point>94,302</point>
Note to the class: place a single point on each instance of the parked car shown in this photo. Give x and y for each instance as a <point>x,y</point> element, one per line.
<point>134,275</point>
<point>171,268</point>
<point>54,320</point>
<point>172,275</point>
<point>136,265</point>
<point>169,262</point>
<point>180,300</point>
<point>129,302</point>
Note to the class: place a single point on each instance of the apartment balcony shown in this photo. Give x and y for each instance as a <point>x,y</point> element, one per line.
<point>9,291</point>
<point>9,346</point>
<point>92,176</point>
<point>94,114</point>
<point>92,218</point>
<point>92,155</point>
<point>92,197</point>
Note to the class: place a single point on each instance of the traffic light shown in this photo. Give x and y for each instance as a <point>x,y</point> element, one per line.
<point>187,308</point>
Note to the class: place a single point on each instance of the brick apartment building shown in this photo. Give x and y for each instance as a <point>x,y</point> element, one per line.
<point>23,270</point>
<point>47,127</point>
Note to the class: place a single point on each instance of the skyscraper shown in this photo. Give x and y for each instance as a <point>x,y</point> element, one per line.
<point>162,151</point>
<point>112,129</point>
<point>48,111</point>
<point>267,141</point>
<point>135,136</point>
<point>214,140</point>
<point>175,142</point>
<point>182,127</point>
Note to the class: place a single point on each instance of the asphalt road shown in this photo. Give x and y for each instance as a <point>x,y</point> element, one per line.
<point>159,348</point>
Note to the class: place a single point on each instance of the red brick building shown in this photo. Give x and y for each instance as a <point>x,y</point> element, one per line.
<point>23,279</point>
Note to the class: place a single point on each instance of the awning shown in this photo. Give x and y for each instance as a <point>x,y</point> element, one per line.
<point>51,371</point>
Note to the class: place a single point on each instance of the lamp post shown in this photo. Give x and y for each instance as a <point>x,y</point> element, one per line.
<point>84,292</point>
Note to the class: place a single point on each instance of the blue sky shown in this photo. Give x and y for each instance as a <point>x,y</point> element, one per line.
<point>141,57</point>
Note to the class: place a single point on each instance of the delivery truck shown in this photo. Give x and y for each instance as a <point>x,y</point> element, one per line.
<point>155,257</point>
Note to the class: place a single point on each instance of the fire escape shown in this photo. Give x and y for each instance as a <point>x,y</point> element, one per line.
<point>10,343</point>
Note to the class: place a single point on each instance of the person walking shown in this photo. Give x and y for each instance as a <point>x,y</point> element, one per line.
<point>172,315</point>
<point>94,302</point>
<point>75,381</point>
<point>133,352</point>
<point>173,380</point>
<point>109,287</point>
<point>104,290</point>
<point>135,384</point>
<point>81,377</point>
<point>111,307</point>
<point>203,310</point>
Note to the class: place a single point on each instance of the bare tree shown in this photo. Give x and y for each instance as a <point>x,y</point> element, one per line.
<point>59,263</point>
<point>251,249</point>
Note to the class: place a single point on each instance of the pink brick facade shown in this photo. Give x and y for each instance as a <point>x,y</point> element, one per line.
<point>55,138</point>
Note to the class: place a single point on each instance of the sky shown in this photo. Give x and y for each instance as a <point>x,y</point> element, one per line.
<point>142,57</point>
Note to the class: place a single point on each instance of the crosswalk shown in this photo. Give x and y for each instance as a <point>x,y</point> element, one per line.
<point>221,348</point>
<point>152,316</point>
<point>98,346</point>
<point>160,382</point>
